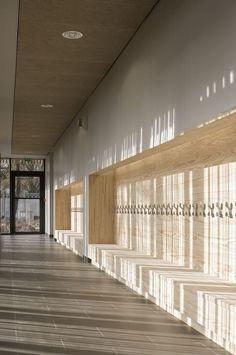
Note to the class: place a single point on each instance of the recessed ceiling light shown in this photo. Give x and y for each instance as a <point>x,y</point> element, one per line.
<point>72,35</point>
<point>47,105</point>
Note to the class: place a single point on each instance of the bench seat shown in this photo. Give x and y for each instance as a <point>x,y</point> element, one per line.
<point>205,302</point>
<point>71,240</point>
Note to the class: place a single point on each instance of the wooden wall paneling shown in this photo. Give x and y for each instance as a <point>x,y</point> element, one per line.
<point>180,171</point>
<point>190,253</point>
<point>202,169</point>
<point>69,207</point>
<point>63,209</point>
<point>101,217</point>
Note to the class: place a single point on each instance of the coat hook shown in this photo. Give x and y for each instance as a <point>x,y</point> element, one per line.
<point>189,207</point>
<point>154,209</point>
<point>168,209</point>
<point>176,207</point>
<point>220,207</point>
<point>195,209</point>
<point>211,212</point>
<point>145,208</point>
<point>162,209</point>
<point>150,209</point>
<point>229,206</point>
<point>181,206</point>
<point>141,209</point>
<point>203,207</point>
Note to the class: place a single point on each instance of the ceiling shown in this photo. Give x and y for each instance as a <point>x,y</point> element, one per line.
<point>8,41</point>
<point>62,72</point>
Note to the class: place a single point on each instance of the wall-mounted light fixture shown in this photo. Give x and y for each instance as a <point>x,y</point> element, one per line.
<point>82,122</point>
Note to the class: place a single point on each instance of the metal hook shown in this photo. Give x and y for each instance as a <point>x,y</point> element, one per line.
<point>211,212</point>
<point>229,206</point>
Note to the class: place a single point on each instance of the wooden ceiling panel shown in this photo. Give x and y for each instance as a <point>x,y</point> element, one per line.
<point>53,81</point>
<point>54,70</point>
<point>46,93</point>
<point>107,13</point>
<point>29,108</point>
<point>70,66</point>
<point>47,42</point>
<point>32,120</point>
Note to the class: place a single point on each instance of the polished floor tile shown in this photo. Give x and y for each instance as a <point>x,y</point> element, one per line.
<point>53,303</point>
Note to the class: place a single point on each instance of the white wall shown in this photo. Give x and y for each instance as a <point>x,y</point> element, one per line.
<point>158,87</point>
<point>49,195</point>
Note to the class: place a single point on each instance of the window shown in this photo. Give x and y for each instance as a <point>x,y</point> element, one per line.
<point>26,187</point>
<point>27,164</point>
<point>5,195</point>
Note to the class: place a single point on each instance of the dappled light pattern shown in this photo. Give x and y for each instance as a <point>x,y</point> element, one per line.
<point>52,303</point>
<point>161,129</point>
<point>184,262</point>
<point>226,81</point>
<point>77,213</point>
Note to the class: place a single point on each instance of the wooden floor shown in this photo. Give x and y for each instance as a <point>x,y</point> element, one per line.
<point>53,303</point>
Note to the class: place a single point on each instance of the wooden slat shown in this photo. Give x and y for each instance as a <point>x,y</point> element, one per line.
<point>62,209</point>
<point>101,192</point>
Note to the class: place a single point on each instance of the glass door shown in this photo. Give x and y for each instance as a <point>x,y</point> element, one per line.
<point>28,204</point>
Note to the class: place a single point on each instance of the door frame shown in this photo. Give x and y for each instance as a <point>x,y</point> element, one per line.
<point>41,175</point>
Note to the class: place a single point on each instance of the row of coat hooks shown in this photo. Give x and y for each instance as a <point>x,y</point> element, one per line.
<point>180,209</point>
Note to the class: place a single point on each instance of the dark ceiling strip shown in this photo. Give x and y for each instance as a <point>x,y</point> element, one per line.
<point>14,96</point>
<point>86,100</point>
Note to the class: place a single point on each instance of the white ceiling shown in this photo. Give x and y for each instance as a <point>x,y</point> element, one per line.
<point>8,44</point>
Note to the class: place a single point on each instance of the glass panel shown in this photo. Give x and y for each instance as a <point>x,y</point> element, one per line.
<point>27,164</point>
<point>5,215</point>
<point>5,196</point>
<point>27,186</point>
<point>5,163</point>
<point>27,215</point>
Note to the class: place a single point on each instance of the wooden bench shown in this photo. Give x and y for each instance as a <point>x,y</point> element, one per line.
<point>205,302</point>
<point>71,240</point>
<point>76,244</point>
